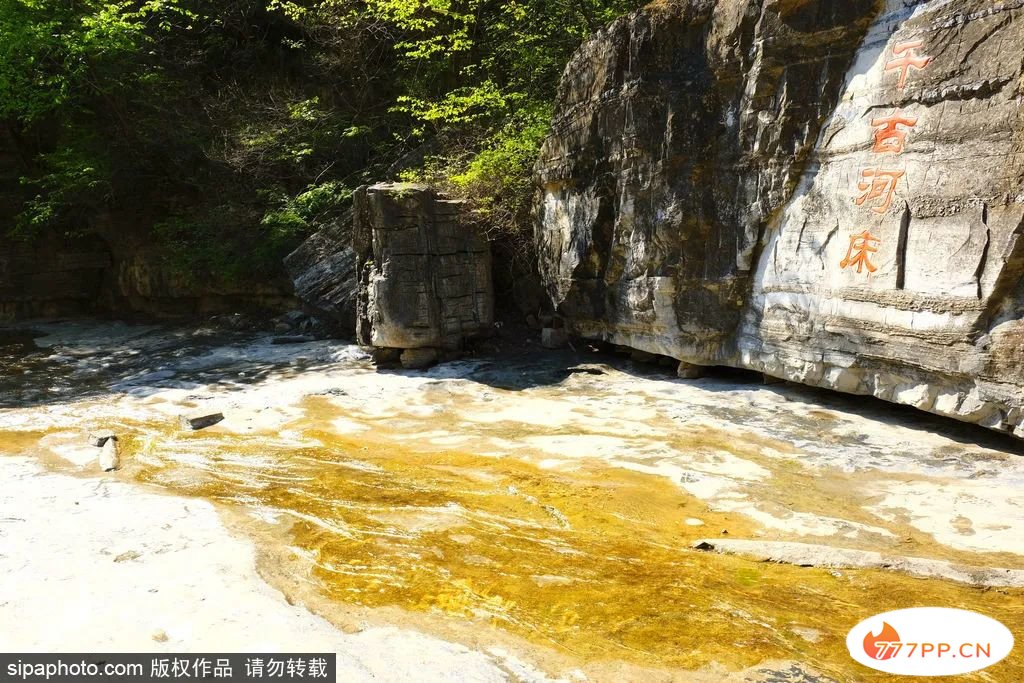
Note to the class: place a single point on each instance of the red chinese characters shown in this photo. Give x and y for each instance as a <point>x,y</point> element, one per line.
<point>878,185</point>
<point>888,136</point>
<point>861,247</point>
<point>905,59</point>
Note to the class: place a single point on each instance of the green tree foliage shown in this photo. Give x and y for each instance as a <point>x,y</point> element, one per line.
<point>229,129</point>
<point>54,53</point>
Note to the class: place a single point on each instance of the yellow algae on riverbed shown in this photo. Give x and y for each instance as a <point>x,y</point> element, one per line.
<point>592,560</point>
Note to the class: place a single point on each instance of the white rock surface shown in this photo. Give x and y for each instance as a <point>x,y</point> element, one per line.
<point>113,565</point>
<point>110,459</point>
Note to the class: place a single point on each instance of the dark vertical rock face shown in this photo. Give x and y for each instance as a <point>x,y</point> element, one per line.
<point>829,192</point>
<point>52,277</point>
<point>424,274</point>
<point>113,265</point>
<point>115,269</point>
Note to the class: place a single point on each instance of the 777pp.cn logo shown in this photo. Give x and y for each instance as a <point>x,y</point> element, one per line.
<point>929,641</point>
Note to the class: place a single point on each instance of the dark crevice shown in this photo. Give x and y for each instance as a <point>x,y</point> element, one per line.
<point>980,272</point>
<point>901,248</point>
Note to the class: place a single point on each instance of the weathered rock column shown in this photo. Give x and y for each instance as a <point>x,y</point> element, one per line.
<point>424,273</point>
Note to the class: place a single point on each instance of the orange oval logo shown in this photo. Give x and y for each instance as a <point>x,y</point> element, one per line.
<point>929,641</point>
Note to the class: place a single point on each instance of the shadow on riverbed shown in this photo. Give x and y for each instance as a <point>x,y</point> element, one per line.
<point>539,368</point>
<point>62,362</point>
<point>56,363</point>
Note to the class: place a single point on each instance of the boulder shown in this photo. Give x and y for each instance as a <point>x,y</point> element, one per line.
<point>99,437</point>
<point>550,338</point>
<point>828,193</point>
<point>386,356</point>
<point>110,457</point>
<point>424,270</point>
<point>418,359</point>
<point>638,356</point>
<point>690,371</point>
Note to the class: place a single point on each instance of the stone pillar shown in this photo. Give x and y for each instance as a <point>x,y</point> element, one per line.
<point>424,272</point>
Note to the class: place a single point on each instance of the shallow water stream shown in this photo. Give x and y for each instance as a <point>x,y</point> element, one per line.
<point>532,496</point>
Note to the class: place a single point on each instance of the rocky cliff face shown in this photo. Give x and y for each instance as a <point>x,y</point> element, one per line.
<point>113,265</point>
<point>116,268</point>
<point>57,275</point>
<point>116,271</point>
<point>829,192</point>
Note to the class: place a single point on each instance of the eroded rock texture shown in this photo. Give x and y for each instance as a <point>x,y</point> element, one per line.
<point>323,270</point>
<point>830,192</point>
<point>424,274</point>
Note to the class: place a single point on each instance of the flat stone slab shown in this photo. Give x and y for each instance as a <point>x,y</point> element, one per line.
<point>814,555</point>
<point>200,420</point>
<point>99,437</point>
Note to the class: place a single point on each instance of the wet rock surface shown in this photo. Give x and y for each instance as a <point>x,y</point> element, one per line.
<point>828,193</point>
<point>810,555</point>
<point>536,499</point>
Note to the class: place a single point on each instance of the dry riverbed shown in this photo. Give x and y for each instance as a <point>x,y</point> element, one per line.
<point>528,517</point>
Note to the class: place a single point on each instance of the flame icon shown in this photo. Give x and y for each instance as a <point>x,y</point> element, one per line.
<point>876,646</point>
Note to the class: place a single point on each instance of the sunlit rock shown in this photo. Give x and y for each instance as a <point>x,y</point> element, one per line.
<point>424,271</point>
<point>828,193</point>
<point>100,437</point>
<point>200,419</point>
<point>110,457</point>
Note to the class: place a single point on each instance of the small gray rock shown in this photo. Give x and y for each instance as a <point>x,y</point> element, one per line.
<point>200,420</point>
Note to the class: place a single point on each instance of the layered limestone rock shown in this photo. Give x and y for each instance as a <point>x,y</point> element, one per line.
<point>323,270</point>
<point>424,273</point>
<point>143,280</point>
<point>831,193</point>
